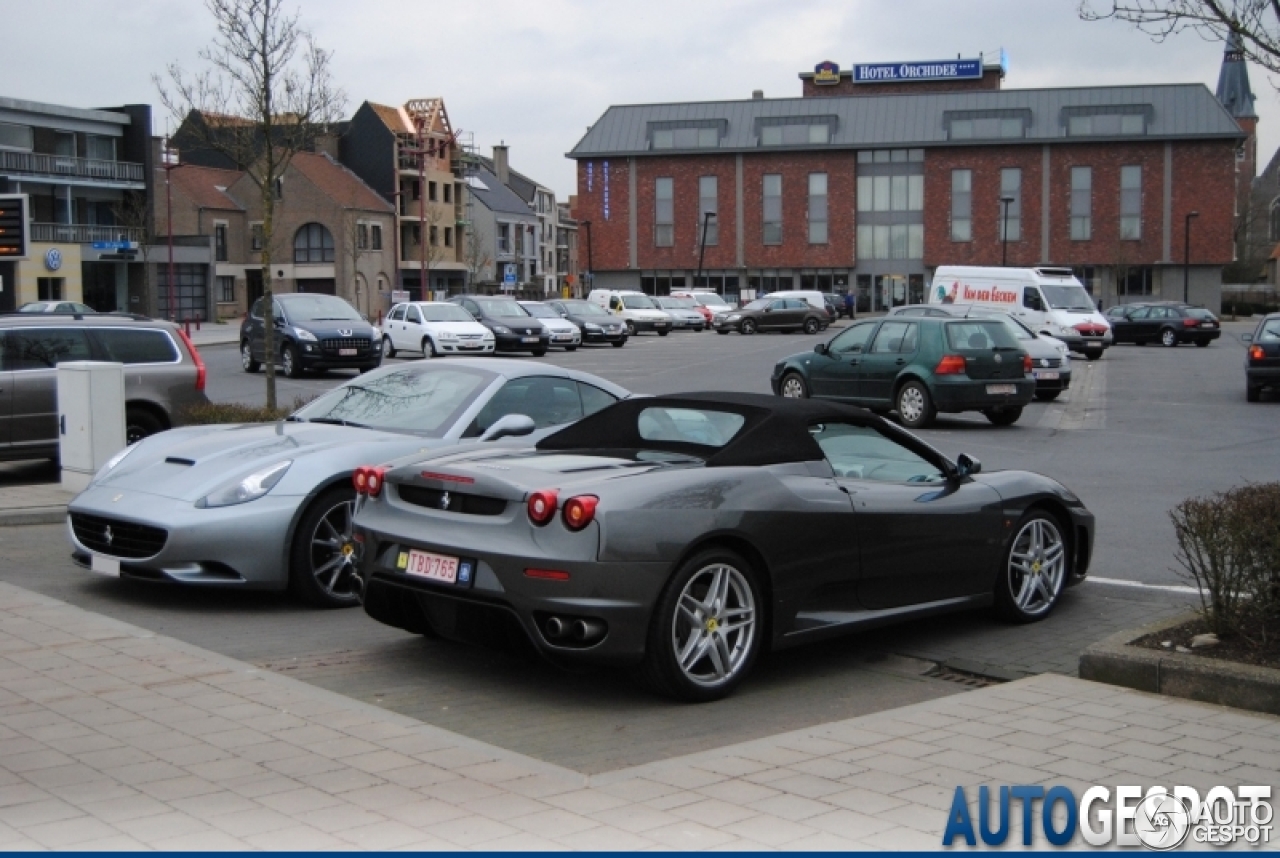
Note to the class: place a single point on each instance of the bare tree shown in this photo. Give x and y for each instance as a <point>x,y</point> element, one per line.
<point>356,245</point>
<point>476,253</point>
<point>264,97</point>
<point>134,213</point>
<point>1256,23</point>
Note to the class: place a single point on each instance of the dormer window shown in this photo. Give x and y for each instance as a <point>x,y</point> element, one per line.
<point>986,124</point>
<point>692,134</point>
<point>796,130</point>
<point>1120,120</point>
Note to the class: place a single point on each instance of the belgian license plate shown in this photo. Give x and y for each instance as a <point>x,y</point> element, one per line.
<point>424,564</point>
<point>1001,388</point>
<point>1206,324</point>
<point>346,352</point>
<point>105,565</point>
<point>1047,376</point>
<point>528,339</point>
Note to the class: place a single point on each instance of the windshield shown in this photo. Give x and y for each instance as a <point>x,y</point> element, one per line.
<point>1068,298</point>
<point>584,308</point>
<point>759,304</point>
<point>424,400</point>
<point>980,335</point>
<point>501,307</point>
<point>444,313</point>
<point>541,311</point>
<point>314,308</point>
<point>637,302</point>
<point>676,303</point>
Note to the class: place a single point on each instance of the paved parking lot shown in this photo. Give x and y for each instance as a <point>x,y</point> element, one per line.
<point>1140,430</point>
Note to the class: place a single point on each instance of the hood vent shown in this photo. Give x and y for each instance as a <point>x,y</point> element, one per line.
<point>176,460</point>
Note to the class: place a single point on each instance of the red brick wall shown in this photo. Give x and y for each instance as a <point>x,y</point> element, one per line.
<point>990,79</point>
<point>684,173</point>
<point>609,239</point>
<point>795,250</point>
<point>1202,172</point>
<point>986,163</point>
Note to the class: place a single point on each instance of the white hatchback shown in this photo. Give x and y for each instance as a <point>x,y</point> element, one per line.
<point>434,328</point>
<point>563,332</point>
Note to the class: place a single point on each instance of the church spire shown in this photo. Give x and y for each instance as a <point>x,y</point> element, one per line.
<point>1234,91</point>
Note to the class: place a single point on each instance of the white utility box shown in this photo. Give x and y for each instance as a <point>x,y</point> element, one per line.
<point>90,418</point>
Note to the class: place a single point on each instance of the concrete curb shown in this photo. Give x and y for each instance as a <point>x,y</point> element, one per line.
<point>1176,674</point>
<point>33,515</point>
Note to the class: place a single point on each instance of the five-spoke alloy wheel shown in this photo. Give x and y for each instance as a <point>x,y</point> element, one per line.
<point>707,628</point>
<point>324,555</point>
<point>1034,571</point>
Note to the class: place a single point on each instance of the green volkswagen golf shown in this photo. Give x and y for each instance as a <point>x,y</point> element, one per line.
<point>917,367</point>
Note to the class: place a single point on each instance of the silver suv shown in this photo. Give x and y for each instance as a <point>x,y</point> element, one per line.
<point>163,374</point>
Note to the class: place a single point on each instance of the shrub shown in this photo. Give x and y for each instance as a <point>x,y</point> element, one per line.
<point>235,412</point>
<point>1229,548</point>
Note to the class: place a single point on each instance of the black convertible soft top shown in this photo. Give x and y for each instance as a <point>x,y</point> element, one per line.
<point>776,430</point>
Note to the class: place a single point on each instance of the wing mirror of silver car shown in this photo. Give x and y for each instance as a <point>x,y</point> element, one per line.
<point>967,466</point>
<point>509,425</point>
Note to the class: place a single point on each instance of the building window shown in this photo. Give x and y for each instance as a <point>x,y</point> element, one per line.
<point>375,236</point>
<point>255,236</point>
<point>708,204</point>
<point>692,137</point>
<point>1133,282</point>
<point>99,148</point>
<point>890,193</point>
<point>985,128</point>
<point>888,156</point>
<point>220,242</point>
<point>962,205</point>
<point>798,134</point>
<point>890,241</point>
<point>448,192</point>
<point>431,191</point>
<point>504,238</point>
<point>1010,214</point>
<point>1119,122</point>
<point>279,184</point>
<point>16,137</point>
<point>1081,203</point>
<point>49,288</point>
<point>435,235</point>
<point>663,212</point>
<point>817,208</point>
<point>773,208</point>
<point>1131,202</point>
<point>448,236</point>
<point>226,290</point>
<point>190,291</point>
<point>312,243</point>
<point>362,236</point>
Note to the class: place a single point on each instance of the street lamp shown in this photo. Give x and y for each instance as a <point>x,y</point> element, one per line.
<point>590,262</point>
<point>1186,257</point>
<point>169,159</point>
<point>702,249</point>
<point>1004,232</point>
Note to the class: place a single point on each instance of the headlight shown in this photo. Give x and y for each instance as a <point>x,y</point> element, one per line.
<point>595,329</point>
<point>501,329</point>
<point>1070,332</point>
<point>735,317</point>
<point>303,334</point>
<point>250,488</point>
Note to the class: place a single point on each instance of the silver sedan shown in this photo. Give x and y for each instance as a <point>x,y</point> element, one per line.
<point>269,506</point>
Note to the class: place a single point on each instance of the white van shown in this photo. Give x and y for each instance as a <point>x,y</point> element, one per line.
<point>1048,300</point>
<point>636,309</point>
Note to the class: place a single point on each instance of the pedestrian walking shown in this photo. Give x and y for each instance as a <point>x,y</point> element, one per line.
<point>848,305</point>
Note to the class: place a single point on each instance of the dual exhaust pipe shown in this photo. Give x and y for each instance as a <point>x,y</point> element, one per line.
<point>579,630</point>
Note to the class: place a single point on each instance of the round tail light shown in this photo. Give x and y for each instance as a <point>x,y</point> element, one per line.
<point>580,511</point>
<point>542,506</point>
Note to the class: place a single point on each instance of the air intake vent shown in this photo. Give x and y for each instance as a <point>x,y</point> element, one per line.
<point>177,460</point>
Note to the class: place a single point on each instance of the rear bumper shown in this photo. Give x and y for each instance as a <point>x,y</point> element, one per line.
<point>1199,335</point>
<point>1262,376</point>
<point>953,395</point>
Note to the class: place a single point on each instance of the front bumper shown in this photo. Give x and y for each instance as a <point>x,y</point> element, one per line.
<point>952,394</point>
<point>619,336</point>
<point>649,325</point>
<point>1086,344</point>
<point>244,546</point>
<point>514,343</point>
<point>566,339</point>
<point>465,347</point>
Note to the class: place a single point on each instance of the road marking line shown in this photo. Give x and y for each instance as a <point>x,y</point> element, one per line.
<point>1120,582</point>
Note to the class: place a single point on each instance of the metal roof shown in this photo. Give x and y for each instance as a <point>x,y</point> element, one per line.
<point>1177,111</point>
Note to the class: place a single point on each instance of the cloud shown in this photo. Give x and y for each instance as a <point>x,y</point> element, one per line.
<point>535,75</point>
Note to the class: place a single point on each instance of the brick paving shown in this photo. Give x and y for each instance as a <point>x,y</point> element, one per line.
<point>114,737</point>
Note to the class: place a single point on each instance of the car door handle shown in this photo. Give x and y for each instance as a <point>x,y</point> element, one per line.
<point>853,362</point>
<point>900,361</point>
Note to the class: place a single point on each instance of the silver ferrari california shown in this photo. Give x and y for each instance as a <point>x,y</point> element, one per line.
<point>269,506</point>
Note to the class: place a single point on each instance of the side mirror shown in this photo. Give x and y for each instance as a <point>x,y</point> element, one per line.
<point>509,425</point>
<point>967,466</point>
<point>820,348</point>
<point>279,322</point>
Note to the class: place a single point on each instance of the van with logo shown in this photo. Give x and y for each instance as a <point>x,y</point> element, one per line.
<point>636,310</point>
<point>1050,301</point>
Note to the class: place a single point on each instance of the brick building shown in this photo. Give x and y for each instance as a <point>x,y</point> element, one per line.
<point>875,177</point>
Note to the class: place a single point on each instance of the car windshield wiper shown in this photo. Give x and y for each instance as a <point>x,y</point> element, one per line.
<point>337,421</point>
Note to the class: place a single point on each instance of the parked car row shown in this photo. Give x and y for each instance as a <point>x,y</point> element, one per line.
<point>1168,323</point>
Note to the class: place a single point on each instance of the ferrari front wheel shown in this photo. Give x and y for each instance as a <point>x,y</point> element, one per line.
<point>707,629</point>
<point>1034,569</point>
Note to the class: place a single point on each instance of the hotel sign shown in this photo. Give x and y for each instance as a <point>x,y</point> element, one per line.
<point>826,73</point>
<point>928,70</point>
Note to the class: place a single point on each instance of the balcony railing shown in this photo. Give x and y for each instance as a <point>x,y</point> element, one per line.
<point>72,168</point>
<point>83,233</point>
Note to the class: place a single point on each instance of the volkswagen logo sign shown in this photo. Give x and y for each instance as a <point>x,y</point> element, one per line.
<point>1044,361</point>
<point>999,359</point>
<point>344,332</point>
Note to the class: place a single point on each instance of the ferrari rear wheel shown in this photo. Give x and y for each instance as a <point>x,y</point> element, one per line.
<point>323,557</point>
<point>1034,570</point>
<point>707,629</point>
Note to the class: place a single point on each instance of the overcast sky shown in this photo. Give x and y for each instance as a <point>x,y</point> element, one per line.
<point>536,74</point>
